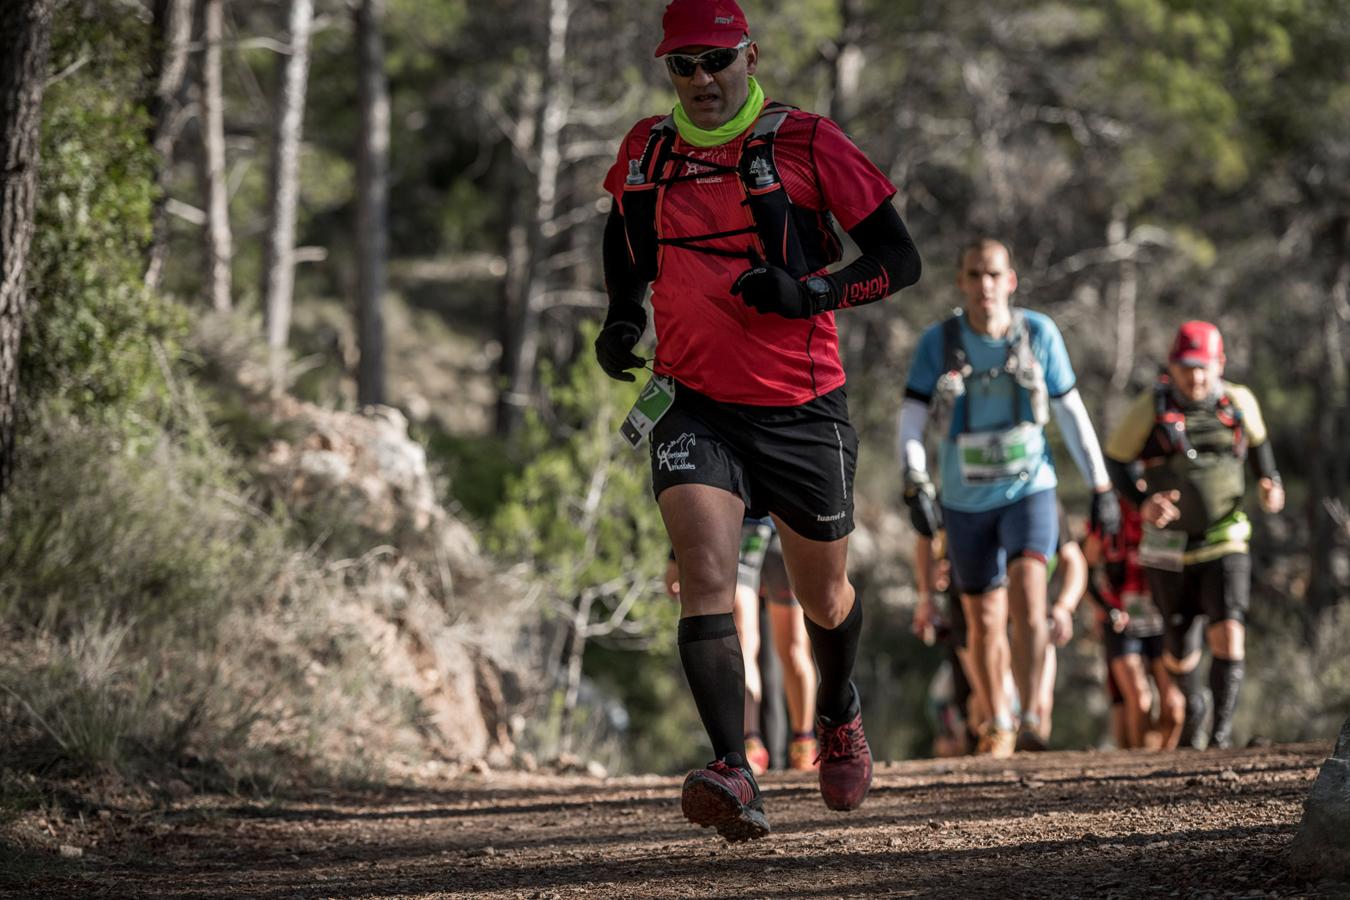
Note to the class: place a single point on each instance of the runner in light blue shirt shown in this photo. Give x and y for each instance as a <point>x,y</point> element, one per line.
<point>989,377</point>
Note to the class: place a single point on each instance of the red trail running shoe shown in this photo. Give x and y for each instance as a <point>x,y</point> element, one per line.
<point>845,763</point>
<point>726,798</point>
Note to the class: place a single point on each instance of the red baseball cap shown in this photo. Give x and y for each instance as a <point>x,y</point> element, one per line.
<point>692,23</point>
<point>1196,344</point>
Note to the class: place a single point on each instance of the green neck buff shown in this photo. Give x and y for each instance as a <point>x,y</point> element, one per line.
<point>749,111</point>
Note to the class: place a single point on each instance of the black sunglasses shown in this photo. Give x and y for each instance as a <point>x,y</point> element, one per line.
<point>712,61</point>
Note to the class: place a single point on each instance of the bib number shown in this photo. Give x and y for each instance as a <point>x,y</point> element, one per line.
<point>1145,620</point>
<point>1165,550</point>
<point>999,455</point>
<point>656,399</point>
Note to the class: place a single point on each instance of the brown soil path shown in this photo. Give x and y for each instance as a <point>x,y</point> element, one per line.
<point>1099,825</point>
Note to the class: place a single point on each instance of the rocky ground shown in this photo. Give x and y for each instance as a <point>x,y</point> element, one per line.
<point>1100,825</point>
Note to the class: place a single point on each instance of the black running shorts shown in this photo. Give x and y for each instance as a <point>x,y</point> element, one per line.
<point>1218,589</point>
<point>1149,647</point>
<point>796,462</point>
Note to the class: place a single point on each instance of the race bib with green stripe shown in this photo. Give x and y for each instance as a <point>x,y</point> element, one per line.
<point>1000,455</point>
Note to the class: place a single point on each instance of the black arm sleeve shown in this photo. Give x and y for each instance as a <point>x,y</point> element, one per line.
<point>622,284</point>
<point>889,261</point>
<point>1262,462</point>
<point>1122,479</point>
<point>1096,594</point>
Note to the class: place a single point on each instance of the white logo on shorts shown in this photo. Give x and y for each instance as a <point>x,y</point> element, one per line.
<point>834,518</point>
<point>674,455</point>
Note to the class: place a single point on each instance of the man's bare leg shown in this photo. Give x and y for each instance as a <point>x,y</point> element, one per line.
<point>1171,706</point>
<point>799,667</point>
<point>987,641</point>
<point>704,525</point>
<point>1130,678</point>
<point>1030,633</point>
<point>817,573</point>
<point>746,614</point>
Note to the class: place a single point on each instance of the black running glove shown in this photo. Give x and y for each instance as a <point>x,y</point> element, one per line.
<point>925,513</point>
<point>1105,517</point>
<point>769,289</point>
<point>614,349</point>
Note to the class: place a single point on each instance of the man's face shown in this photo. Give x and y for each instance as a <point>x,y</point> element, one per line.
<point>713,100</point>
<point>1195,383</point>
<point>987,279</point>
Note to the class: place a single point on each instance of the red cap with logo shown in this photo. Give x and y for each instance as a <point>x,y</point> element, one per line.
<point>708,23</point>
<point>1196,344</point>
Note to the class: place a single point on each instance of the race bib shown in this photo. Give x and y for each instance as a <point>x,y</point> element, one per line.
<point>654,402</point>
<point>1165,550</point>
<point>1145,620</point>
<point>999,455</point>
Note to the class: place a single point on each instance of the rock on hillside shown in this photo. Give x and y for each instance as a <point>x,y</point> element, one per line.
<point>363,471</point>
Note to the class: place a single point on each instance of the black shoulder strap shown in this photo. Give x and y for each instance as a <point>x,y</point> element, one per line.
<point>765,195</point>
<point>659,141</point>
<point>1162,387</point>
<point>954,356</point>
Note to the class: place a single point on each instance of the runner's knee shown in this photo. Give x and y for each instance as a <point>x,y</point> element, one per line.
<point>1181,666</point>
<point>1227,639</point>
<point>830,604</point>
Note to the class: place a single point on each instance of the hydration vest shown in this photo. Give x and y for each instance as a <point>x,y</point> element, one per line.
<point>1203,458</point>
<point>791,237</point>
<point>1170,421</point>
<point>1020,364</point>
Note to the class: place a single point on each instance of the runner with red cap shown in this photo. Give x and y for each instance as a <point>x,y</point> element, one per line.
<point>726,208</point>
<point>1193,432</point>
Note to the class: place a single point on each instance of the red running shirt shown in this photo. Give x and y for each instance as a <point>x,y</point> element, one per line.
<point>1122,550</point>
<point>706,338</point>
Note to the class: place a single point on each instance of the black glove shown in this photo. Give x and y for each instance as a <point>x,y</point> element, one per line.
<point>614,349</point>
<point>769,289</point>
<point>925,513</point>
<point>1105,516</point>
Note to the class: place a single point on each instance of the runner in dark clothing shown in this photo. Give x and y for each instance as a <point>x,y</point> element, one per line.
<point>1133,637</point>
<point>1194,435</point>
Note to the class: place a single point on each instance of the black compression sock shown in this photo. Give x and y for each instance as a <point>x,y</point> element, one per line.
<point>1225,680</point>
<point>710,652</point>
<point>1193,689</point>
<point>835,650</point>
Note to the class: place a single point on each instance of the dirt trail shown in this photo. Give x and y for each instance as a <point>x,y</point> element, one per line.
<point>1062,825</point>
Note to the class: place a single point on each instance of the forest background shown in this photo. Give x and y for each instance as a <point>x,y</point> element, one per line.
<point>256,219</point>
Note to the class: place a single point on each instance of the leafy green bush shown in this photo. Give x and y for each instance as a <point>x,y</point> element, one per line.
<point>95,530</point>
<point>90,339</point>
<point>580,510</point>
<point>121,560</point>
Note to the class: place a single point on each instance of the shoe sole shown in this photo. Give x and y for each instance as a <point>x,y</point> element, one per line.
<point>849,807</point>
<point>709,805</point>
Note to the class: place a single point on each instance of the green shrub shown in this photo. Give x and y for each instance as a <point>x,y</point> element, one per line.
<point>580,511</point>
<point>91,334</point>
<point>95,530</point>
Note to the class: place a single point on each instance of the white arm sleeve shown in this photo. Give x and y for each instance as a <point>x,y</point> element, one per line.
<point>1072,417</point>
<point>913,418</point>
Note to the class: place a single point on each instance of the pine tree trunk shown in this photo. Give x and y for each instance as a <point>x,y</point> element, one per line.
<point>552,118</point>
<point>25,36</point>
<point>219,238</point>
<point>848,62</point>
<point>1126,297</point>
<point>278,272</point>
<point>173,30</point>
<point>372,224</point>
